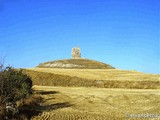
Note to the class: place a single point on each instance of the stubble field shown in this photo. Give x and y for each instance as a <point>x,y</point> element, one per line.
<point>79,103</point>
<point>102,78</point>
<point>95,94</point>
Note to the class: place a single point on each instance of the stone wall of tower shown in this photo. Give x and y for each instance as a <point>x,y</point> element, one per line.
<point>76,53</point>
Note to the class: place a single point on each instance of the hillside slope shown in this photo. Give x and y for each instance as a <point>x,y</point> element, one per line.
<point>104,78</point>
<point>75,63</point>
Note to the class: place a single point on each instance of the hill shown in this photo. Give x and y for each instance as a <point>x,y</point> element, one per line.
<point>104,78</point>
<point>90,73</point>
<point>75,64</point>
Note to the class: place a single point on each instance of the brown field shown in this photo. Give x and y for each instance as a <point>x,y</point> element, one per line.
<point>101,74</point>
<point>80,103</point>
<point>103,78</point>
<point>94,94</point>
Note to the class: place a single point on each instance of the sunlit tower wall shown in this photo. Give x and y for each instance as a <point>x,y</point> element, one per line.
<point>76,53</point>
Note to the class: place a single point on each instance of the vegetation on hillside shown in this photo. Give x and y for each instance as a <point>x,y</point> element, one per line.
<point>75,64</point>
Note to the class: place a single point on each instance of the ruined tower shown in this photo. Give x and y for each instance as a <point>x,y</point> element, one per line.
<point>76,53</point>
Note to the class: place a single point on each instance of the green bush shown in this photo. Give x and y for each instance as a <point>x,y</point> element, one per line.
<point>14,85</point>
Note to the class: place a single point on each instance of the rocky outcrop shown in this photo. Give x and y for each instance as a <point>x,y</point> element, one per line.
<point>61,65</point>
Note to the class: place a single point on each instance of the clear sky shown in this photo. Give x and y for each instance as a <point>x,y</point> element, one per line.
<point>122,33</point>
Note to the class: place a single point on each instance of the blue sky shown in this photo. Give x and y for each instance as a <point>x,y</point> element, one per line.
<point>122,33</point>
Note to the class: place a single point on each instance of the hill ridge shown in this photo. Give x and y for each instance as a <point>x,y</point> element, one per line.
<point>80,63</point>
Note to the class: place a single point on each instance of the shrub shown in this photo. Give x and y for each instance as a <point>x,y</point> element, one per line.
<point>2,111</point>
<point>14,86</point>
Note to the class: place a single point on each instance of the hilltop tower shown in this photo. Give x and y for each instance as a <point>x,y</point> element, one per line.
<point>76,53</point>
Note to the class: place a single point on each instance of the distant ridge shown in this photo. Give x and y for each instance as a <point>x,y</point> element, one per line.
<point>75,64</point>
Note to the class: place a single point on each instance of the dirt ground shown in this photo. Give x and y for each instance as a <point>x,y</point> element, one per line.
<point>80,103</point>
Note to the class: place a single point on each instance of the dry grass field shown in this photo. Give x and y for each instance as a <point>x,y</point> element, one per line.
<point>94,94</point>
<point>102,74</point>
<point>80,103</point>
<point>103,78</point>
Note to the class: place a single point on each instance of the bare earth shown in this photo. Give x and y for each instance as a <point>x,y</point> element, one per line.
<point>80,103</point>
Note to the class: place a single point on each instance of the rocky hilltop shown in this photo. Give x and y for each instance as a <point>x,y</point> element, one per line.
<point>75,64</point>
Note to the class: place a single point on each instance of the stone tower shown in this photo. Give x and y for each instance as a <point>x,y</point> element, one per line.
<point>76,53</point>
